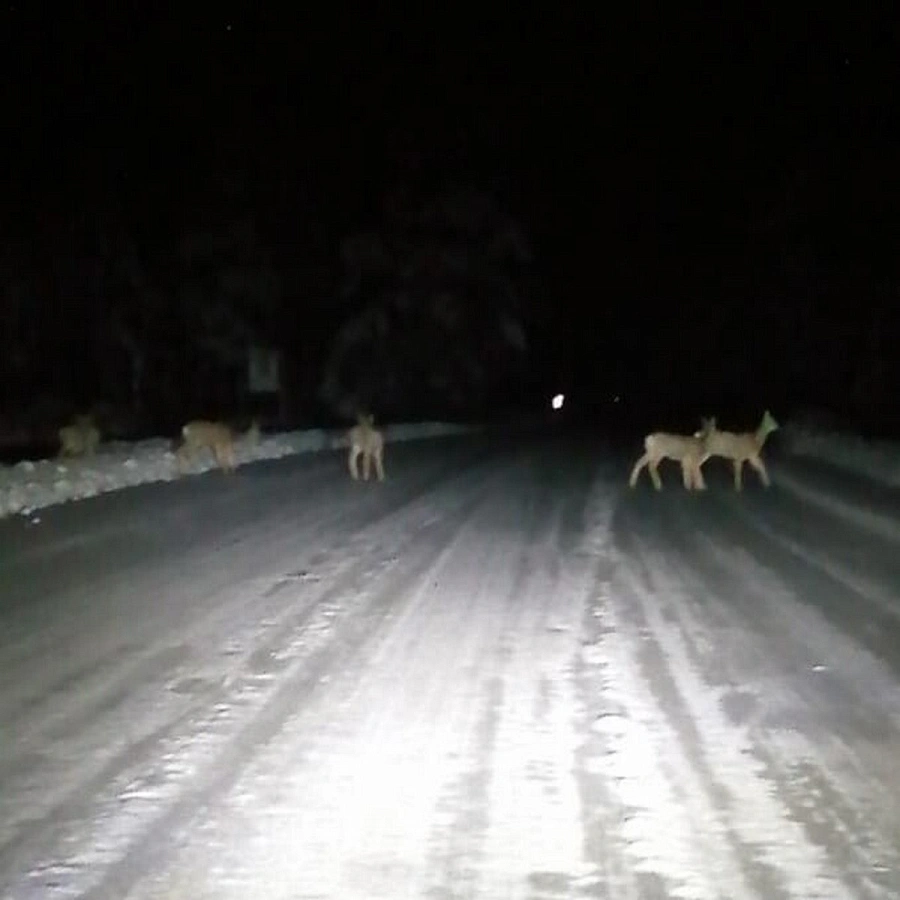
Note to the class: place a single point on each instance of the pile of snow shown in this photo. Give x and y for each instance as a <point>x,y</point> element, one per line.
<point>28,485</point>
<point>875,459</point>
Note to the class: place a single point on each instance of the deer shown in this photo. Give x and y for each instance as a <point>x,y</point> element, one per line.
<point>740,447</point>
<point>80,438</point>
<point>366,441</point>
<point>216,437</point>
<point>687,449</point>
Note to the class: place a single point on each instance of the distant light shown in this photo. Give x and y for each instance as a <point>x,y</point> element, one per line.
<point>228,28</point>
<point>617,398</point>
<point>557,401</point>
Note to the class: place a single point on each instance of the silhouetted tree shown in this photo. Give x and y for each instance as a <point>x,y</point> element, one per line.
<point>434,307</point>
<point>230,296</point>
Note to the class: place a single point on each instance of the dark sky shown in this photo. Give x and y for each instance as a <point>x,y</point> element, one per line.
<point>558,106</point>
<point>639,148</point>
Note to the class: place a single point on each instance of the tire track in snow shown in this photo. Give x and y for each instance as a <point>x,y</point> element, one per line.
<point>704,815</point>
<point>332,640</point>
<point>840,562</point>
<point>669,829</point>
<point>534,840</point>
<point>366,793</point>
<point>267,511</point>
<point>763,646</point>
<point>108,684</point>
<point>861,515</point>
<point>335,805</point>
<point>114,802</point>
<point>773,852</point>
<point>823,728</point>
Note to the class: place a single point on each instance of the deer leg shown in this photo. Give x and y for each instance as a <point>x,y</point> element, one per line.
<point>636,471</point>
<point>699,483</point>
<point>760,467</point>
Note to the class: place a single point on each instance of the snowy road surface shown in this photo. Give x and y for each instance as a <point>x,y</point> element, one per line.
<point>499,674</point>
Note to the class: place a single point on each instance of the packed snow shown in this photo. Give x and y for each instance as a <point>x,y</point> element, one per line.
<point>500,674</point>
<point>875,459</point>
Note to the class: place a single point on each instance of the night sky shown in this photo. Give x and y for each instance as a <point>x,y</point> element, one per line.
<point>711,200</point>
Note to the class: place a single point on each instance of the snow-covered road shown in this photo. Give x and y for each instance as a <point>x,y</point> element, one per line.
<point>499,674</point>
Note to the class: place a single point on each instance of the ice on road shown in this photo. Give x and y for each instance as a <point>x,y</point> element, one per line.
<point>500,674</point>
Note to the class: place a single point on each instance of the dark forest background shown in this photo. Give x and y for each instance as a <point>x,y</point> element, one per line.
<point>447,219</point>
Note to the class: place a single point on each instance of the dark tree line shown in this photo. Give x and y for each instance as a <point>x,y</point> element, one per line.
<point>421,312</point>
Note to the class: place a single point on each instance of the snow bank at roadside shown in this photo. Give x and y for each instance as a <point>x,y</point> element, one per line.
<point>31,485</point>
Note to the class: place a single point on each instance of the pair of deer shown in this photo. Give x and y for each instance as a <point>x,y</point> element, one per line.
<point>691,451</point>
<point>365,441</point>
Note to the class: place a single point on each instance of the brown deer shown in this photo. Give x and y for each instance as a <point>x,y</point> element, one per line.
<point>368,442</point>
<point>688,450</point>
<point>741,447</point>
